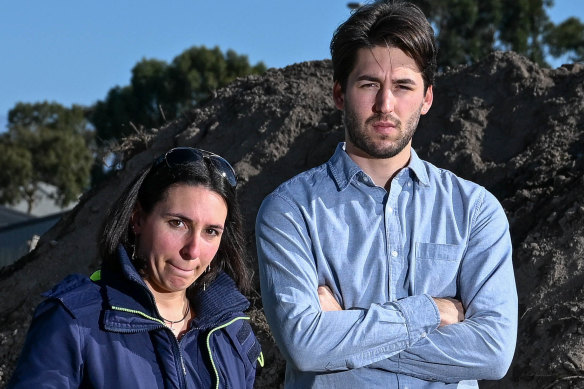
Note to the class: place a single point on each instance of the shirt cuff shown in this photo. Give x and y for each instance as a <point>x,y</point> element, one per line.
<point>421,314</point>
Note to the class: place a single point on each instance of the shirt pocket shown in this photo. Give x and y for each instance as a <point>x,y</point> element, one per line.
<point>436,268</point>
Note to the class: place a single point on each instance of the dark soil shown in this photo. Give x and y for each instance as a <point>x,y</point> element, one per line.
<point>505,123</point>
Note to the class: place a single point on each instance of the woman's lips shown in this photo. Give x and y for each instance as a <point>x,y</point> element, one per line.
<point>181,269</point>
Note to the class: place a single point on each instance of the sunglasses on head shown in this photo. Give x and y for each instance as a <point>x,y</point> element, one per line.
<point>185,155</point>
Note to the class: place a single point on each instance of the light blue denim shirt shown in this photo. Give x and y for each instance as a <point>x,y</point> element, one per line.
<point>384,254</point>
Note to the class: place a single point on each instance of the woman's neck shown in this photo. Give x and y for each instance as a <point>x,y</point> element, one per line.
<point>168,302</point>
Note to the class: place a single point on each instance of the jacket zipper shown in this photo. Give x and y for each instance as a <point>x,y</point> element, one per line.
<point>177,346</point>
<point>209,345</point>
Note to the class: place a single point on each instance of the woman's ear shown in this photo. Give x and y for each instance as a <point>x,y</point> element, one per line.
<point>136,221</point>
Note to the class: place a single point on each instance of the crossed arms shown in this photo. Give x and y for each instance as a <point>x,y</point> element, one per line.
<point>422,336</point>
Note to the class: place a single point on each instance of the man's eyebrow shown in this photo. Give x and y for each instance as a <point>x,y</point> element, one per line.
<point>407,81</point>
<point>368,77</point>
<point>401,81</point>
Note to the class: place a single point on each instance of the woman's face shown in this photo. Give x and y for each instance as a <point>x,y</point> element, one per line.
<point>180,237</point>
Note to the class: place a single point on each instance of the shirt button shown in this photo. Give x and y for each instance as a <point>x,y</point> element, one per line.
<point>394,253</point>
<point>390,209</point>
<point>423,334</point>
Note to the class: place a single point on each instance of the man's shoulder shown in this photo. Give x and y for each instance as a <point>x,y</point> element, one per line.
<point>298,192</point>
<point>442,176</point>
<point>307,182</point>
<point>453,186</point>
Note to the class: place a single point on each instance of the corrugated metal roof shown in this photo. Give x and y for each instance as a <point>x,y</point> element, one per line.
<point>10,216</point>
<point>16,238</point>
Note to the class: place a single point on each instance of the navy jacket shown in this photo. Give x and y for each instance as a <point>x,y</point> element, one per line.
<point>106,332</point>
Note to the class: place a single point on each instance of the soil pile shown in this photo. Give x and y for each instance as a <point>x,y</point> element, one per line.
<point>505,123</point>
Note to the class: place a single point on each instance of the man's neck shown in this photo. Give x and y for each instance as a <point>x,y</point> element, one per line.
<point>381,170</point>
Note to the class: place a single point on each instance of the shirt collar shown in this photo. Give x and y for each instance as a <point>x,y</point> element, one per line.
<point>416,165</point>
<point>343,168</point>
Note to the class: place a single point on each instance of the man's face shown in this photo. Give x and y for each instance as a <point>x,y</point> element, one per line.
<point>382,102</point>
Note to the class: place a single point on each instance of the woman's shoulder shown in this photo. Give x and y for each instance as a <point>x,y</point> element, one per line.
<point>76,293</point>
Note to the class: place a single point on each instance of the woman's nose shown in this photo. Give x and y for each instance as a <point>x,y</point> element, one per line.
<point>191,248</point>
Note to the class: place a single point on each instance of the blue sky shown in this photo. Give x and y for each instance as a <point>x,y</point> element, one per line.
<point>74,52</point>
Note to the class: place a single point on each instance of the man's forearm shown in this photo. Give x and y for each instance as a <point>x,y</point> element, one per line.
<point>481,346</point>
<point>451,310</point>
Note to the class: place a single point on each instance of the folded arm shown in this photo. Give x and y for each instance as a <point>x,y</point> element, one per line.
<point>314,340</point>
<point>451,310</point>
<point>481,346</point>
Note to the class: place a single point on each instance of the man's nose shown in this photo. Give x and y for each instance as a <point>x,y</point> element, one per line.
<point>385,101</point>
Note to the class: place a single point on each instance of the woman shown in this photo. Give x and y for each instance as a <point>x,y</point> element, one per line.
<point>164,311</point>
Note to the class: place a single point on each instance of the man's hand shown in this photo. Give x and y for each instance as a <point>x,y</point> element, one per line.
<point>451,310</point>
<point>327,299</point>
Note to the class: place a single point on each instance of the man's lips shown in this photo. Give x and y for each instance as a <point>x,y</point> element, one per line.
<point>385,128</point>
<point>384,124</point>
<point>383,121</point>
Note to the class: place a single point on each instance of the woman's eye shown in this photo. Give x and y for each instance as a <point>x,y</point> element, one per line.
<point>176,223</point>
<point>215,232</point>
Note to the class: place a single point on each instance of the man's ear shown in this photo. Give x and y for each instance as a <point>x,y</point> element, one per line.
<point>428,98</point>
<point>338,96</point>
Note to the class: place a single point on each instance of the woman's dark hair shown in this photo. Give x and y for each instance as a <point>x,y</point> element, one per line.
<point>150,187</point>
<point>397,24</point>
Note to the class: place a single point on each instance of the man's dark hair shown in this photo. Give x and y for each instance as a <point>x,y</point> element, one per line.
<point>396,24</point>
<point>151,186</point>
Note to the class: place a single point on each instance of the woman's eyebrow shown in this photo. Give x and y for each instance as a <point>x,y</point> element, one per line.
<point>189,221</point>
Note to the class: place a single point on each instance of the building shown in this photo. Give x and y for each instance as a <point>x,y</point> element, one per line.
<point>20,231</point>
<point>19,237</point>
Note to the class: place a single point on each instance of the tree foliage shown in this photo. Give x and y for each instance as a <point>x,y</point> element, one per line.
<point>159,92</point>
<point>567,38</point>
<point>45,143</point>
<point>468,30</point>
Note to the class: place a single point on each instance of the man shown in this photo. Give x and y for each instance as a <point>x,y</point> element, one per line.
<point>378,269</point>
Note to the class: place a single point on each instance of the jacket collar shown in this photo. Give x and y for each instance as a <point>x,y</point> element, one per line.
<point>127,292</point>
<point>219,300</point>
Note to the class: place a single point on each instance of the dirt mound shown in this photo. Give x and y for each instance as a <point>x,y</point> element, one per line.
<point>504,122</point>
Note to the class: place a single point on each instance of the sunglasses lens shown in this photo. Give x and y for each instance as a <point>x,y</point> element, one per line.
<point>225,169</point>
<point>184,155</point>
